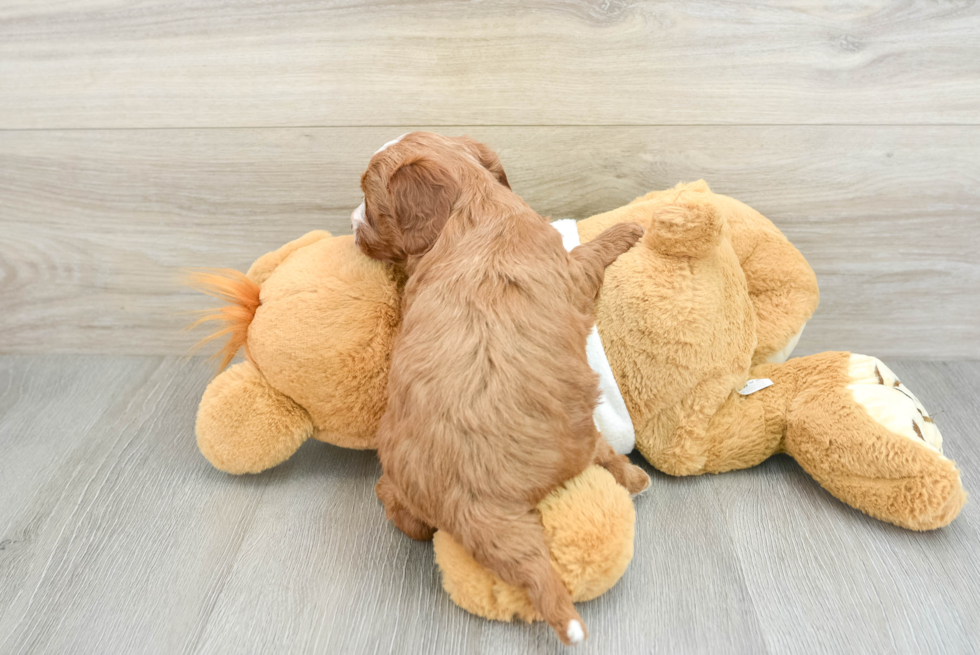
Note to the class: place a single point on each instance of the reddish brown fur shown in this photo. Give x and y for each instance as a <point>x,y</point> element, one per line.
<point>243,293</point>
<point>490,393</point>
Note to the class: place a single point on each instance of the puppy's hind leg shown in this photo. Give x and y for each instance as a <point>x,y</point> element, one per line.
<point>626,473</point>
<point>400,515</point>
<point>513,546</point>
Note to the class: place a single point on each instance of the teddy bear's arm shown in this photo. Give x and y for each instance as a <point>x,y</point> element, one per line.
<point>780,282</point>
<point>244,425</point>
<point>262,268</point>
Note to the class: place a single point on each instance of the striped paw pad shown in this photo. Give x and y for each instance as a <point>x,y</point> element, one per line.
<point>888,401</point>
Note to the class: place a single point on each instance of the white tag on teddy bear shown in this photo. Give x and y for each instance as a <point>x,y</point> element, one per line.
<point>755,385</point>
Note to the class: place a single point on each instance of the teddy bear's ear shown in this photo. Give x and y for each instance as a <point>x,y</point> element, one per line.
<point>246,426</point>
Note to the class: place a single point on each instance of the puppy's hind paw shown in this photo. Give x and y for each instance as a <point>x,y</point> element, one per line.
<point>641,488</point>
<point>636,480</point>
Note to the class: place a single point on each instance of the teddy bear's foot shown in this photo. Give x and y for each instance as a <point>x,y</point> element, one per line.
<point>869,441</point>
<point>246,426</point>
<point>890,402</point>
<point>589,522</point>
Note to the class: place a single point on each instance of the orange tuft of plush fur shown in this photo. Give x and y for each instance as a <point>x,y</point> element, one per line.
<point>242,293</point>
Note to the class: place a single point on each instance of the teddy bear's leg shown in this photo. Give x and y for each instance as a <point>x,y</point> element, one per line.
<point>750,425</point>
<point>867,440</point>
<point>630,476</point>
<point>744,432</point>
<point>713,429</point>
<point>400,515</point>
<point>850,424</point>
<point>246,426</point>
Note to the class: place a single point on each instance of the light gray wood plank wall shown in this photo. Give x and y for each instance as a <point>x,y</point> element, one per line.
<point>117,536</point>
<point>854,127</point>
<point>96,225</point>
<point>118,63</point>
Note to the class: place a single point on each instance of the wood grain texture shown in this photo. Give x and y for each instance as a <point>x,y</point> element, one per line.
<point>96,225</point>
<point>116,536</point>
<point>97,552</point>
<point>116,63</point>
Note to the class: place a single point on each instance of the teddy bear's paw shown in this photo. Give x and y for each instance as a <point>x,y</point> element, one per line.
<point>876,388</point>
<point>245,426</point>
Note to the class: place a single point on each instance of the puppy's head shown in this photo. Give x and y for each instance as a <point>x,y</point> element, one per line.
<point>411,188</point>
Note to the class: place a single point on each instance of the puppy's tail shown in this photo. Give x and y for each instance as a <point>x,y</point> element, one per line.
<point>233,319</point>
<point>515,549</point>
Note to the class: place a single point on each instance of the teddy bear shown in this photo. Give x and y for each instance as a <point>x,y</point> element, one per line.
<point>695,326</point>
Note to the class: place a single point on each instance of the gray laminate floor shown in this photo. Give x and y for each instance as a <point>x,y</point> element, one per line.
<point>117,537</point>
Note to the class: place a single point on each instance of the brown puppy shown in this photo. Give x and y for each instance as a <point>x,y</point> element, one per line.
<point>490,393</point>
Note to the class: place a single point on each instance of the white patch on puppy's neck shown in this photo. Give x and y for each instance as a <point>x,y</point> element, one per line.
<point>357,217</point>
<point>611,416</point>
<point>391,143</point>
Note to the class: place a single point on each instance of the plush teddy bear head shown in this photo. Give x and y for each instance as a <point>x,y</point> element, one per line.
<point>316,320</point>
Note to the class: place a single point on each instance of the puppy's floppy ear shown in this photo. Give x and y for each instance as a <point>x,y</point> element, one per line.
<point>422,194</point>
<point>487,158</point>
